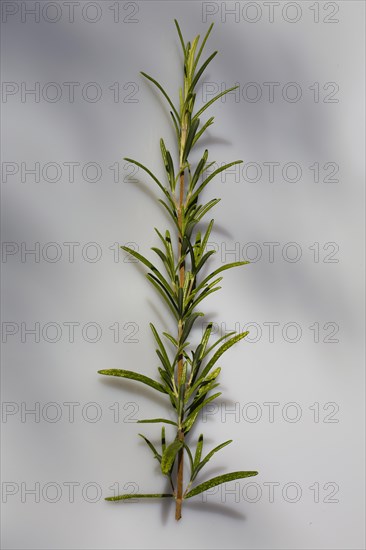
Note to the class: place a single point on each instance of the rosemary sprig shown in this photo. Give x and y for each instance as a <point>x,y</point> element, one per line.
<point>187,378</point>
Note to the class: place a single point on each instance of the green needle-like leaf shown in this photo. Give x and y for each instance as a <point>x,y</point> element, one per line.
<point>204,384</point>
<point>164,358</point>
<point>160,185</point>
<point>202,68</point>
<point>202,46</point>
<point>197,456</point>
<point>157,279</point>
<point>163,258</point>
<point>209,456</point>
<point>189,324</point>
<point>219,270</point>
<point>151,446</point>
<point>207,234</point>
<point>168,368</point>
<point>168,162</point>
<point>222,350</point>
<point>163,440</point>
<point>227,335</point>
<point>167,378</point>
<point>180,36</point>
<point>171,339</point>
<point>177,131</point>
<point>191,418</point>
<point>157,420</point>
<point>134,376</point>
<point>159,86</point>
<point>180,301</point>
<point>190,60</point>
<point>205,338</point>
<point>210,177</point>
<point>204,209</point>
<point>148,264</point>
<point>204,259</point>
<point>167,242</point>
<point>199,170</point>
<point>129,496</point>
<point>159,287</point>
<point>189,456</point>
<point>202,130</point>
<point>188,144</point>
<point>169,455</point>
<point>202,110</point>
<point>171,212</point>
<point>201,297</point>
<point>218,481</point>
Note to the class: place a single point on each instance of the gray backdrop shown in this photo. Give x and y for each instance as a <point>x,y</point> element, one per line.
<point>74,104</point>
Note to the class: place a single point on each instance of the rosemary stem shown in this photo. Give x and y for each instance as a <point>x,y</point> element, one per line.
<point>178,509</point>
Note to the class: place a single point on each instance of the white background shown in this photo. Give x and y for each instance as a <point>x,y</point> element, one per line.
<point>310,452</point>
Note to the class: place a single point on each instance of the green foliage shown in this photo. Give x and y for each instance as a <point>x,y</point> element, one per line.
<point>168,458</point>
<point>187,374</point>
<point>134,376</point>
<point>129,496</point>
<point>218,481</point>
